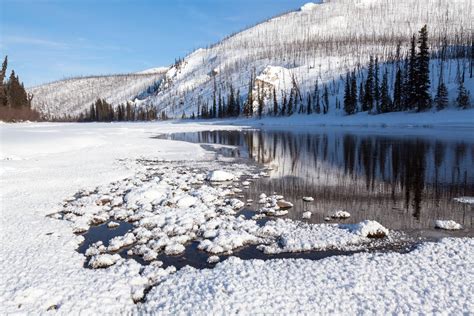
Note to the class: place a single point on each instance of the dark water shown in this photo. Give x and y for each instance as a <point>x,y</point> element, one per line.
<point>405,179</point>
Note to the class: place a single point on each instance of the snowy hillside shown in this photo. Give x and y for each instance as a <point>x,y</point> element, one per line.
<point>318,42</point>
<point>73,96</point>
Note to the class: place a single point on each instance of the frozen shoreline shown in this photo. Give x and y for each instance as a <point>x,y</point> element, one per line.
<point>38,253</point>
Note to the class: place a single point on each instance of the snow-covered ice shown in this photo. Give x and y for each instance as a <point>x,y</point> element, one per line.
<point>136,180</point>
<point>220,176</point>
<point>435,278</point>
<point>448,225</point>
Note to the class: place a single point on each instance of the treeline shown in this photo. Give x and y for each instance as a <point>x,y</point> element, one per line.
<point>372,90</point>
<point>411,88</point>
<point>102,111</point>
<point>15,102</point>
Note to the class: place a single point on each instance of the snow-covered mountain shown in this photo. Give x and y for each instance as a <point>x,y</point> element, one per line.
<point>73,96</point>
<point>318,42</point>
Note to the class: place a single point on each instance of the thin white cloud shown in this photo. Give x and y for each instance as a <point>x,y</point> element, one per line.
<point>33,41</point>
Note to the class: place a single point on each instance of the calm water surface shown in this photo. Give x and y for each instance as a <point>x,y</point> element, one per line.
<point>405,179</point>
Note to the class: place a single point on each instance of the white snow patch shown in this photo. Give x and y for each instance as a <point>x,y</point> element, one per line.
<point>220,176</point>
<point>447,225</point>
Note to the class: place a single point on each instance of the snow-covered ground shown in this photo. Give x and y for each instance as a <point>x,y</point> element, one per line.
<point>43,164</point>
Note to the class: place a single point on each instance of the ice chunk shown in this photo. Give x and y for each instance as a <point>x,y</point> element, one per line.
<point>174,249</point>
<point>307,215</point>
<point>340,214</point>
<point>113,224</point>
<point>308,199</point>
<point>220,176</point>
<point>186,201</point>
<point>213,259</point>
<point>448,225</point>
<point>103,260</point>
<point>367,228</point>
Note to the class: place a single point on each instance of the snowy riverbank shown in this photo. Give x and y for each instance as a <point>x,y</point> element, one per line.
<point>43,164</point>
<point>451,118</point>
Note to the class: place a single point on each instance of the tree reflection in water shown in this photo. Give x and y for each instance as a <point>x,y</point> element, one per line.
<point>403,182</point>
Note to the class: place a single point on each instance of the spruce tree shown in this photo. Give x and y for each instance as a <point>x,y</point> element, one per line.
<point>463,99</point>
<point>260,100</point>
<point>309,110</point>
<point>221,113</point>
<point>423,97</point>
<point>248,107</point>
<point>283,104</point>
<point>441,99</point>
<point>354,91</point>
<point>398,91</point>
<point>275,103</point>
<point>347,97</point>
<point>385,101</point>
<point>325,99</point>
<point>368,103</point>
<point>317,100</point>
<point>290,103</point>
<point>3,91</point>
<point>412,82</point>
<point>377,85</point>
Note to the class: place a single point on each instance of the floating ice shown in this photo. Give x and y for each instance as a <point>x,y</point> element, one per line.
<point>340,214</point>
<point>308,199</point>
<point>447,225</point>
<point>307,215</point>
<point>220,176</point>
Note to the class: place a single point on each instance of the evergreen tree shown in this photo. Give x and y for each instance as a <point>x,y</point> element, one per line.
<point>275,103</point>
<point>317,101</point>
<point>231,103</point>
<point>354,91</point>
<point>260,101</point>
<point>412,81</point>
<point>325,100</point>
<point>368,102</point>
<point>309,110</point>
<point>237,103</point>
<point>214,103</point>
<point>441,99</point>
<point>248,107</point>
<point>385,101</point>
<point>221,113</point>
<point>15,93</point>
<point>290,103</point>
<point>377,85</point>
<point>398,91</point>
<point>423,98</point>
<point>347,97</point>
<point>361,93</point>
<point>283,106</point>
<point>463,99</point>
<point>3,91</point>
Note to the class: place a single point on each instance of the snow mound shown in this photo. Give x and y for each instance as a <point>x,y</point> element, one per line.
<point>447,225</point>
<point>220,176</point>
<point>103,260</point>
<point>309,6</point>
<point>367,228</point>
<point>340,214</point>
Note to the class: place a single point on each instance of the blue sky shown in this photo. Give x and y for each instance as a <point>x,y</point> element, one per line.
<point>47,40</point>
